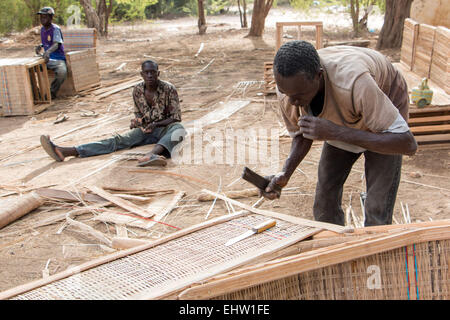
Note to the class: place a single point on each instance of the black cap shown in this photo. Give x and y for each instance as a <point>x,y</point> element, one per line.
<point>46,10</point>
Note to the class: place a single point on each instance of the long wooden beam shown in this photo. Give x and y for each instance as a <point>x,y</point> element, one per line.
<point>285,217</point>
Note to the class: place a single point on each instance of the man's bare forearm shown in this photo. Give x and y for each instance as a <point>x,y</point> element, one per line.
<point>299,149</point>
<point>384,143</point>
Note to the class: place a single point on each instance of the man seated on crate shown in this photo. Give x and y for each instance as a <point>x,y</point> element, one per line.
<point>52,42</point>
<point>355,101</point>
<point>157,121</point>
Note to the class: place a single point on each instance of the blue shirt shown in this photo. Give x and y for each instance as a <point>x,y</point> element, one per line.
<point>50,36</point>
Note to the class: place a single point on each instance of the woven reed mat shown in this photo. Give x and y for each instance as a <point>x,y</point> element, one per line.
<point>155,272</point>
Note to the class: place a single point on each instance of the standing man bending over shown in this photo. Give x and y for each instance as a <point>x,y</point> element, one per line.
<point>52,42</point>
<point>357,102</point>
<point>157,121</point>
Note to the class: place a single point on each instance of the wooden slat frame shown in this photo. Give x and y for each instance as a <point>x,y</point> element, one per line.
<point>410,33</point>
<point>440,61</point>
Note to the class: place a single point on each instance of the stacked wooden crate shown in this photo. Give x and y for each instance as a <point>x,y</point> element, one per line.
<point>440,63</point>
<point>24,86</point>
<point>81,59</point>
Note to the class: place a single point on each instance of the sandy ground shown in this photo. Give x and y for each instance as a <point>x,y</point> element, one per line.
<point>25,250</point>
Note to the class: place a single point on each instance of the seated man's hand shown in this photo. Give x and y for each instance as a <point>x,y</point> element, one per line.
<point>37,49</point>
<point>149,128</point>
<point>46,56</point>
<point>135,123</point>
<point>271,193</point>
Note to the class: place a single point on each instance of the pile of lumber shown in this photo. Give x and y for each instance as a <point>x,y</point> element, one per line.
<point>431,127</point>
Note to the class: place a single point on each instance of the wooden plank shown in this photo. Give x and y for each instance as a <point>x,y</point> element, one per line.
<point>410,33</point>
<point>303,262</point>
<point>429,120</point>
<point>440,61</point>
<point>384,229</point>
<point>441,128</point>
<point>433,138</point>
<point>285,217</point>
<point>429,112</point>
<point>424,50</point>
<point>127,205</point>
<point>114,256</point>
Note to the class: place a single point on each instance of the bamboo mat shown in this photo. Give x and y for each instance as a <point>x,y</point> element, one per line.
<point>173,265</point>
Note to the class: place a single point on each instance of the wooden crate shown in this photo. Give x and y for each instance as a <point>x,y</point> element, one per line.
<point>81,59</point>
<point>82,72</point>
<point>269,81</point>
<point>440,61</point>
<point>299,24</point>
<point>410,33</point>
<point>24,86</point>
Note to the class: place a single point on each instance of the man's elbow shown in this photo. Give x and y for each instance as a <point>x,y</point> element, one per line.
<point>411,145</point>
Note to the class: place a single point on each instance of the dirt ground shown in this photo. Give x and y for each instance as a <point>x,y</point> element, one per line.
<point>26,250</point>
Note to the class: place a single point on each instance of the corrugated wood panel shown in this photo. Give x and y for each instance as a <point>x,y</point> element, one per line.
<point>424,50</point>
<point>440,63</point>
<point>23,86</point>
<point>84,69</point>
<point>79,39</point>
<point>410,33</point>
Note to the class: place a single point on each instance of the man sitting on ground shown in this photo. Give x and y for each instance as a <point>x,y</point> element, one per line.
<point>157,121</point>
<point>52,42</point>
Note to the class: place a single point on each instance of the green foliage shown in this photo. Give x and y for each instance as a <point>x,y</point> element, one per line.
<point>131,10</point>
<point>18,15</point>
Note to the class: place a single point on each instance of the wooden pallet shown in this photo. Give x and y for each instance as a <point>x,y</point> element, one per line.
<point>431,127</point>
<point>269,81</point>
<point>24,86</point>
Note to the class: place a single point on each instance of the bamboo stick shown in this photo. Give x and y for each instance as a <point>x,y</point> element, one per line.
<point>233,194</point>
<point>296,220</point>
<point>129,206</point>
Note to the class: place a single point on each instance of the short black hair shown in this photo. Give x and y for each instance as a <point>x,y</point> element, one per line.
<point>149,62</point>
<point>297,57</point>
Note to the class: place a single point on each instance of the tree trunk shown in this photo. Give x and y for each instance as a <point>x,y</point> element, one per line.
<point>391,33</point>
<point>354,12</point>
<point>201,18</point>
<point>92,19</point>
<point>260,10</point>
<point>240,13</point>
<point>244,4</point>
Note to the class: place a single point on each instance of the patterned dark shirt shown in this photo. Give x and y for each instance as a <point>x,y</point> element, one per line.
<point>166,103</point>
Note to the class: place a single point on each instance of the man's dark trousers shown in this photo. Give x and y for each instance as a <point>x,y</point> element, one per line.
<point>382,180</point>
